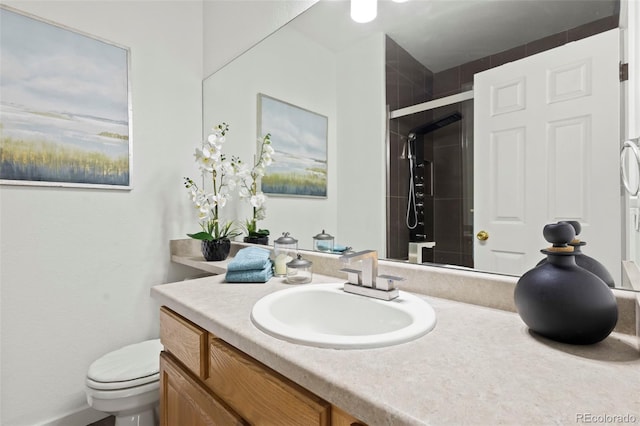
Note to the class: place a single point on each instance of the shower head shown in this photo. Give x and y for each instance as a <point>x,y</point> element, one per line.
<point>434,125</point>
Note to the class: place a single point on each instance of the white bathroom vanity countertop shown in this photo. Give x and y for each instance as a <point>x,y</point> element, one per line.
<point>479,366</point>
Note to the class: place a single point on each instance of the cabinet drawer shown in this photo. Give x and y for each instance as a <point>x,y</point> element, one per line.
<point>259,394</point>
<point>185,340</point>
<point>184,401</point>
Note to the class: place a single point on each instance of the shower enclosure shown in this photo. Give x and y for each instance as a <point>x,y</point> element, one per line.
<point>430,167</point>
<point>431,171</point>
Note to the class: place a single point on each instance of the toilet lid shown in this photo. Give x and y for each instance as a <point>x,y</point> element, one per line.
<point>128,366</point>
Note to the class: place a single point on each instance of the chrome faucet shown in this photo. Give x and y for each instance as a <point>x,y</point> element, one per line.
<point>367,282</point>
<point>369,270</point>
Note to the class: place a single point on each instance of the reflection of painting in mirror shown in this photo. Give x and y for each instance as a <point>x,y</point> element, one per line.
<point>299,139</point>
<point>65,106</point>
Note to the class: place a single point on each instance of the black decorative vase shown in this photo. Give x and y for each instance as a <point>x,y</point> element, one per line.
<point>216,250</point>
<point>562,301</point>
<point>257,240</point>
<point>587,262</point>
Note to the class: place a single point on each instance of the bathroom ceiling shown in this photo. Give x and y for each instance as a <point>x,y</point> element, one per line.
<point>445,33</point>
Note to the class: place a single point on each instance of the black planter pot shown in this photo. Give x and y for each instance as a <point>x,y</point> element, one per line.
<point>257,240</point>
<point>216,250</point>
<point>562,301</point>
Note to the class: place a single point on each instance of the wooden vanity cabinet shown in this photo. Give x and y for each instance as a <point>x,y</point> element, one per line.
<point>206,381</point>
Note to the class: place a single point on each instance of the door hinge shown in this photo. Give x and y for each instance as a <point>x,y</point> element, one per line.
<point>624,72</point>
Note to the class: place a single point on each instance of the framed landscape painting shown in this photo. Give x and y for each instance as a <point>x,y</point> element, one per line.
<point>65,111</point>
<point>299,139</point>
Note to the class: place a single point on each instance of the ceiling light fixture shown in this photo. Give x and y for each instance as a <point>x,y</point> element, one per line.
<point>363,11</point>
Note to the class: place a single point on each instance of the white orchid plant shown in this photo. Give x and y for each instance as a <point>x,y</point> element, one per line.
<point>213,162</point>
<point>248,180</point>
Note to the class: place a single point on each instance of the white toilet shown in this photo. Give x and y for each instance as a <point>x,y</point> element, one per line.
<point>126,383</point>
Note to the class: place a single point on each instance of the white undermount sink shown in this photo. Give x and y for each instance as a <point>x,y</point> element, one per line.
<point>324,315</point>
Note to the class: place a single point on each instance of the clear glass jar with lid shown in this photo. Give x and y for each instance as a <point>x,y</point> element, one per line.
<point>299,271</point>
<point>323,242</point>
<point>285,249</point>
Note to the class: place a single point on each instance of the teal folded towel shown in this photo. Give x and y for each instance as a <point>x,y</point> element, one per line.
<point>322,245</point>
<point>249,259</point>
<point>250,276</point>
<point>339,248</point>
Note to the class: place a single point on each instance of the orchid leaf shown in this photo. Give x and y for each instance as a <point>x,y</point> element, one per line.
<point>205,236</point>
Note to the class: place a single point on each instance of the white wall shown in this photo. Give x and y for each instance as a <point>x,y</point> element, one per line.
<point>76,265</point>
<point>289,67</point>
<point>231,27</point>
<point>361,149</point>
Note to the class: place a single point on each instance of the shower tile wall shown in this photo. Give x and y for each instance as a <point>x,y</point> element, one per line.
<point>455,80</point>
<point>409,83</point>
<point>451,246</point>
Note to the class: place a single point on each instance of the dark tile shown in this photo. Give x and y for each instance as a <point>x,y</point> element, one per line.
<point>420,95</point>
<point>391,53</point>
<point>390,253</point>
<point>399,236</point>
<point>468,239</point>
<point>402,187</point>
<point>410,68</point>
<point>447,172</point>
<point>546,43</point>
<point>403,244</point>
<point>428,143</point>
<point>446,257</point>
<point>446,82</point>
<point>508,56</point>
<point>394,126</point>
<point>392,88</point>
<point>446,225</point>
<point>592,28</point>
<point>468,70</point>
<point>428,219</point>
<point>448,135</point>
<point>428,82</point>
<point>392,166</point>
<point>405,92</point>
<point>466,260</point>
<point>398,167</point>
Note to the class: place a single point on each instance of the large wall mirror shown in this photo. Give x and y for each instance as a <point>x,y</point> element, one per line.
<point>412,69</point>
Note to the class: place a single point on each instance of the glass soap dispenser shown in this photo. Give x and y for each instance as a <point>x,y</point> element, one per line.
<point>323,242</point>
<point>284,250</point>
<point>299,271</point>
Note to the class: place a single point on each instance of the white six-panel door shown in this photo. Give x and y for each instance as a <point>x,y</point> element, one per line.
<point>546,148</point>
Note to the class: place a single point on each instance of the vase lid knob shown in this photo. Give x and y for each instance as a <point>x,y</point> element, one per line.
<point>559,235</point>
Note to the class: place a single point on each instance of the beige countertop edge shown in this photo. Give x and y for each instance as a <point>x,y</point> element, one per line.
<point>478,366</point>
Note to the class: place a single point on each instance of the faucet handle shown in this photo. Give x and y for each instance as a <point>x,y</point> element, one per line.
<point>354,276</point>
<point>387,282</point>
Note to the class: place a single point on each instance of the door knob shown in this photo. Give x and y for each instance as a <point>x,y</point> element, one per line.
<point>482,235</point>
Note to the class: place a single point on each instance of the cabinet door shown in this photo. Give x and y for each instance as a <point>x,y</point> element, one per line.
<point>183,401</point>
<point>261,395</point>
<point>340,418</point>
